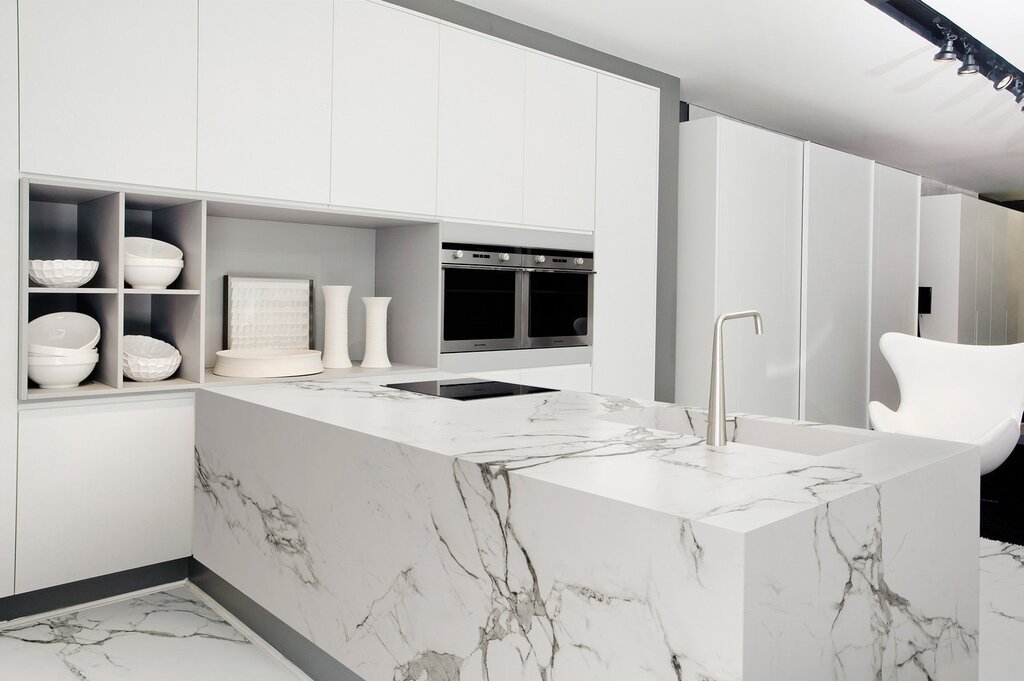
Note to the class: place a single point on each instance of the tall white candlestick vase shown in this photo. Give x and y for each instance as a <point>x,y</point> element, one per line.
<point>336,327</point>
<point>376,356</point>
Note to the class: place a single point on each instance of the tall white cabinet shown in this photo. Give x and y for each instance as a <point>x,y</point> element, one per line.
<point>625,238</point>
<point>108,90</point>
<point>838,189</point>
<point>894,270</point>
<point>265,98</point>
<point>972,257</point>
<point>739,248</point>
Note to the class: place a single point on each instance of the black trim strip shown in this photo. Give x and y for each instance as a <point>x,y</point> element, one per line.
<point>299,650</point>
<point>93,589</point>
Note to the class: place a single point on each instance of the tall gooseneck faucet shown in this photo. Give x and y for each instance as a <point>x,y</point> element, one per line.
<point>716,401</point>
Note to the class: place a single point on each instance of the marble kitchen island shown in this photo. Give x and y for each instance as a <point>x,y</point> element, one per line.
<point>574,537</point>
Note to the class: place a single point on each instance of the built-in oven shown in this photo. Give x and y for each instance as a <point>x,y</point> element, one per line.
<point>504,298</point>
<point>559,298</point>
<point>481,298</point>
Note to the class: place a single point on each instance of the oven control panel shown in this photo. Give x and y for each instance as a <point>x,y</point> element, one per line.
<point>545,259</point>
<point>469,255</point>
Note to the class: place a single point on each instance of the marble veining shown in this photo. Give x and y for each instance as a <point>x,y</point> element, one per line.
<point>569,536</point>
<point>163,635</point>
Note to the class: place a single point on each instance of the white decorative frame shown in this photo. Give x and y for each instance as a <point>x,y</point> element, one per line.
<point>268,312</point>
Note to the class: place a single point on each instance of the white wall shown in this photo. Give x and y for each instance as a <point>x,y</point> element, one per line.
<point>940,265</point>
<point>894,267</point>
<point>8,287</point>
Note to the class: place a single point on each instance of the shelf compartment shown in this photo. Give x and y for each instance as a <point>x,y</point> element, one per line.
<point>73,224</point>
<point>174,319</point>
<point>177,221</point>
<point>101,307</point>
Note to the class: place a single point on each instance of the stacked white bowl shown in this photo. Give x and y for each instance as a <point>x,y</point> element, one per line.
<point>62,349</point>
<point>148,359</point>
<point>150,264</point>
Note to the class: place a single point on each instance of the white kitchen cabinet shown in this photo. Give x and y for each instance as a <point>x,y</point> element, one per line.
<point>102,488</point>
<point>480,128</point>
<point>561,121</point>
<point>837,286</point>
<point>626,238</point>
<point>265,98</point>
<point>108,90</point>
<point>578,377</point>
<point>740,232</point>
<point>384,135</point>
<point>894,265</point>
<point>972,257</point>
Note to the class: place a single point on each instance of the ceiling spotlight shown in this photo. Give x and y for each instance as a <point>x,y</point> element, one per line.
<point>970,66</point>
<point>948,51</point>
<point>1003,82</point>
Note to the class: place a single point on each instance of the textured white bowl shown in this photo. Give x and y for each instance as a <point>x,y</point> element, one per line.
<point>62,273</point>
<point>151,277</point>
<point>60,376</point>
<point>62,330</point>
<point>79,357</point>
<point>148,359</point>
<point>141,247</point>
<point>267,363</point>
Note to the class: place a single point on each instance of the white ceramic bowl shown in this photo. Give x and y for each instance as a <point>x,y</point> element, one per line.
<point>267,363</point>
<point>59,375</point>
<point>141,247</point>
<point>62,273</point>
<point>129,260</point>
<point>152,277</point>
<point>148,359</point>
<point>74,357</point>
<point>62,330</point>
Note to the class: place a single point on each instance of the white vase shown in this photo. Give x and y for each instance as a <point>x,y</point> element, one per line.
<point>376,356</point>
<point>336,327</point>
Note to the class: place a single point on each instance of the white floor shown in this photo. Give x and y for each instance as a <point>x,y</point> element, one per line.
<point>168,635</point>
<point>173,635</point>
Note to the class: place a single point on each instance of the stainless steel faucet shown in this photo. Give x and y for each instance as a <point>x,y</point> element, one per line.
<point>716,401</point>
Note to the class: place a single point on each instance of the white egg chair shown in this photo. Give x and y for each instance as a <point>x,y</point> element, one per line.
<point>963,393</point>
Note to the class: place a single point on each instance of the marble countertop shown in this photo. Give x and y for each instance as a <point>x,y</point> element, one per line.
<point>647,454</point>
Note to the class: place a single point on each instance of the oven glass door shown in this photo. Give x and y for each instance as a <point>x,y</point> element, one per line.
<point>558,308</point>
<point>480,309</point>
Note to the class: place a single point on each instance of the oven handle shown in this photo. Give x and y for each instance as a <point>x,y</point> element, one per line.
<point>492,268</point>
<point>544,271</point>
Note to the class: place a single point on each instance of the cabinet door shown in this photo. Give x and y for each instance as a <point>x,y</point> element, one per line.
<point>480,128</point>
<point>384,134</point>
<point>103,488</point>
<point>626,222</point>
<point>561,120</point>
<point>568,377</point>
<point>108,90</point>
<point>1000,275</point>
<point>983,290</point>
<point>837,285</point>
<point>265,98</point>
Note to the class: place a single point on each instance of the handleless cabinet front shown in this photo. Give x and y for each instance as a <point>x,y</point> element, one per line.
<point>384,137</point>
<point>103,488</point>
<point>108,90</point>
<point>265,98</point>
<point>480,128</point>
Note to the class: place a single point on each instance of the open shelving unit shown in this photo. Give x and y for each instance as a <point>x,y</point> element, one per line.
<point>68,220</point>
<point>60,221</point>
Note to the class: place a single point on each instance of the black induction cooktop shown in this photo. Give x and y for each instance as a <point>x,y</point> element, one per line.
<point>469,388</point>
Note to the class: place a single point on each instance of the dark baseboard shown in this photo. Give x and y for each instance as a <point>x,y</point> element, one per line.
<point>93,589</point>
<point>299,650</point>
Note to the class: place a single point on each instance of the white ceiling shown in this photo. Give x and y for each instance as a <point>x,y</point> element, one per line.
<point>837,72</point>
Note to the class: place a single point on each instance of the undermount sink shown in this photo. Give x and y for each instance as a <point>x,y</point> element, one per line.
<point>748,430</point>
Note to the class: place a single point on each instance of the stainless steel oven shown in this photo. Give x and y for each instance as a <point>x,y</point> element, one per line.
<point>504,297</point>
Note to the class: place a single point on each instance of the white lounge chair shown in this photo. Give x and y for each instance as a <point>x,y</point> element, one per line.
<point>963,393</point>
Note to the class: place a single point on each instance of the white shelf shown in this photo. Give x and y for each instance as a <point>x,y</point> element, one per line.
<point>43,289</point>
<point>158,386</point>
<point>162,292</point>
<point>212,380</point>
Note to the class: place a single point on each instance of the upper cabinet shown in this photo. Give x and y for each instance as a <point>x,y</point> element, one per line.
<point>480,128</point>
<point>561,125</point>
<point>265,98</point>
<point>625,288</point>
<point>384,144</point>
<point>108,90</point>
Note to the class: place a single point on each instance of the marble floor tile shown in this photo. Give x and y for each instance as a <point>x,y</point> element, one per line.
<point>1002,611</point>
<point>165,636</point>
